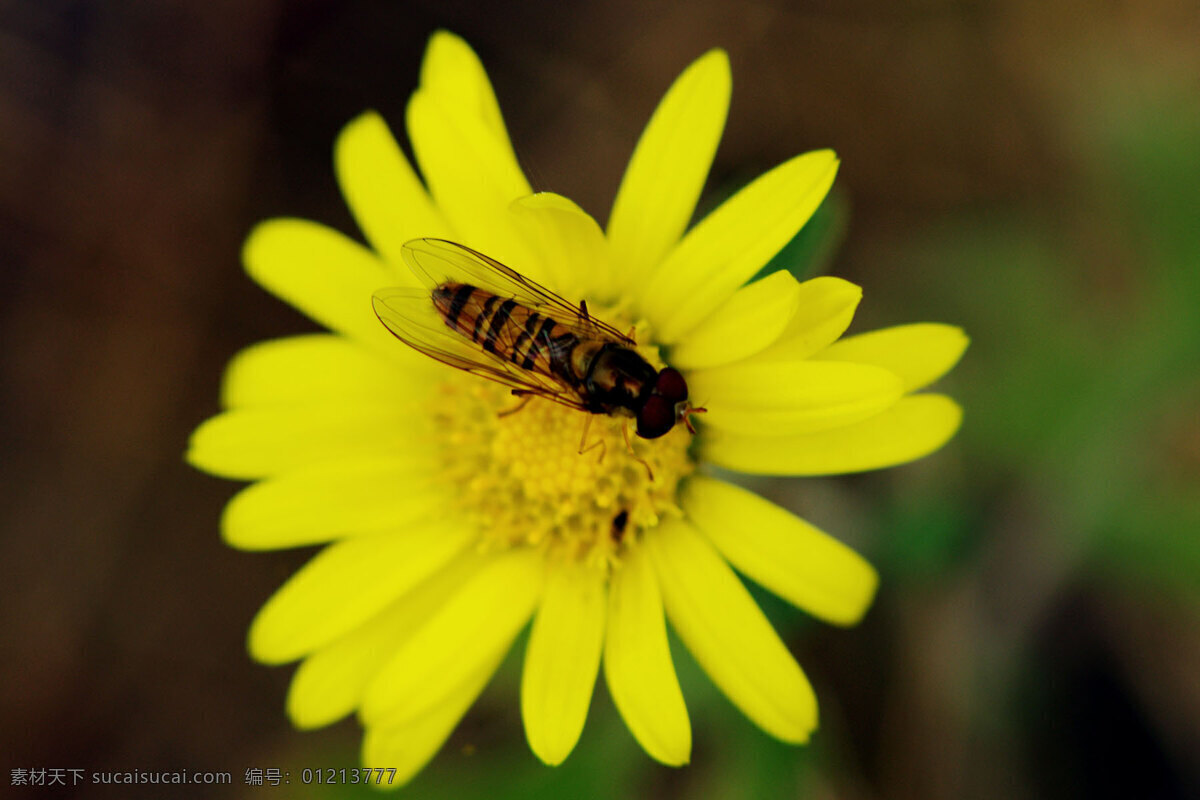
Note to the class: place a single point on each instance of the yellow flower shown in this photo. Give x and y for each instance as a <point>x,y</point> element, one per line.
<point>451,520</point>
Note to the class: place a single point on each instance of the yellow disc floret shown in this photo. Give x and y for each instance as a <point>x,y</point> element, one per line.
<point>524,481</point>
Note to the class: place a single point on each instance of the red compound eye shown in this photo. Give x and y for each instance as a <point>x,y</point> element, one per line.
<point>671,385</point>
<point>656,417</point>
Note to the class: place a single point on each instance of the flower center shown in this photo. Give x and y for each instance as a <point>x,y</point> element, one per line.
<point>524,480</point>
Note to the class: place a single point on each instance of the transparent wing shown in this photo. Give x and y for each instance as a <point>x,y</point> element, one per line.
<point>437,261</point>
<point>410,316</point>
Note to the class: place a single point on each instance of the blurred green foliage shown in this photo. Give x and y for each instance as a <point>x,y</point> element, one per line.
<point>1082,383</point>
<point>812,250</point>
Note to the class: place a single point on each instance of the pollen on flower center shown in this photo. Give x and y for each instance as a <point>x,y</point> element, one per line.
<point>524,481</point>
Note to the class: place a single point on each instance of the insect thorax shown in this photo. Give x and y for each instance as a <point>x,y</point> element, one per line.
<point>618,378</point>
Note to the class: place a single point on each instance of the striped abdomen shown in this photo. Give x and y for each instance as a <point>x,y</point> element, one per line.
<point>512,331</point>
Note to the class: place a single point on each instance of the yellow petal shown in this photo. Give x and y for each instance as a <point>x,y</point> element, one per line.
<point>460,142</point>
<point>454,75</point>
<point>398,751</point>
<point>823,312</point>
<point>330,500</point>
<point>781,552</point>
<point>913,428</point>
<point>316,367</point>
<point>329,684</point>
<point>791,397</point>
<point>383,192</point>
<point>562,659</point>
<point>725,630</point>
<point>479,621</point>
<point>325,275</point>
<point>346,584</point>
<point>666,174</point>
<point>919,353</point>
<point>469,178</point>
<point>751,319</point>
<point>637,663</point>
<point>568,244</point>
<point>250,443</point>
<point>733,243</point>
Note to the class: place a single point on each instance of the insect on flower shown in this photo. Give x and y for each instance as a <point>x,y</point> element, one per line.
<point>480,316</point>
<point>448,524</point>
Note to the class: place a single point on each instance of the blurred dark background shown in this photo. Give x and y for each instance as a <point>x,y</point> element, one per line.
<point>1027,170</point>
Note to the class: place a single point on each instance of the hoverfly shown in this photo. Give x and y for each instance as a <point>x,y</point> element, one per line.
<point>480,316</point>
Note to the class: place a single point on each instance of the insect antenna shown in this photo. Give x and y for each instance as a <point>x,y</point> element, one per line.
<point>687,418</point>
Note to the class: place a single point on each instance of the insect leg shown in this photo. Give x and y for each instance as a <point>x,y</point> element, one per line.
<point>524,399</point>
<point>636,457</point>
<point>598,443</point>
